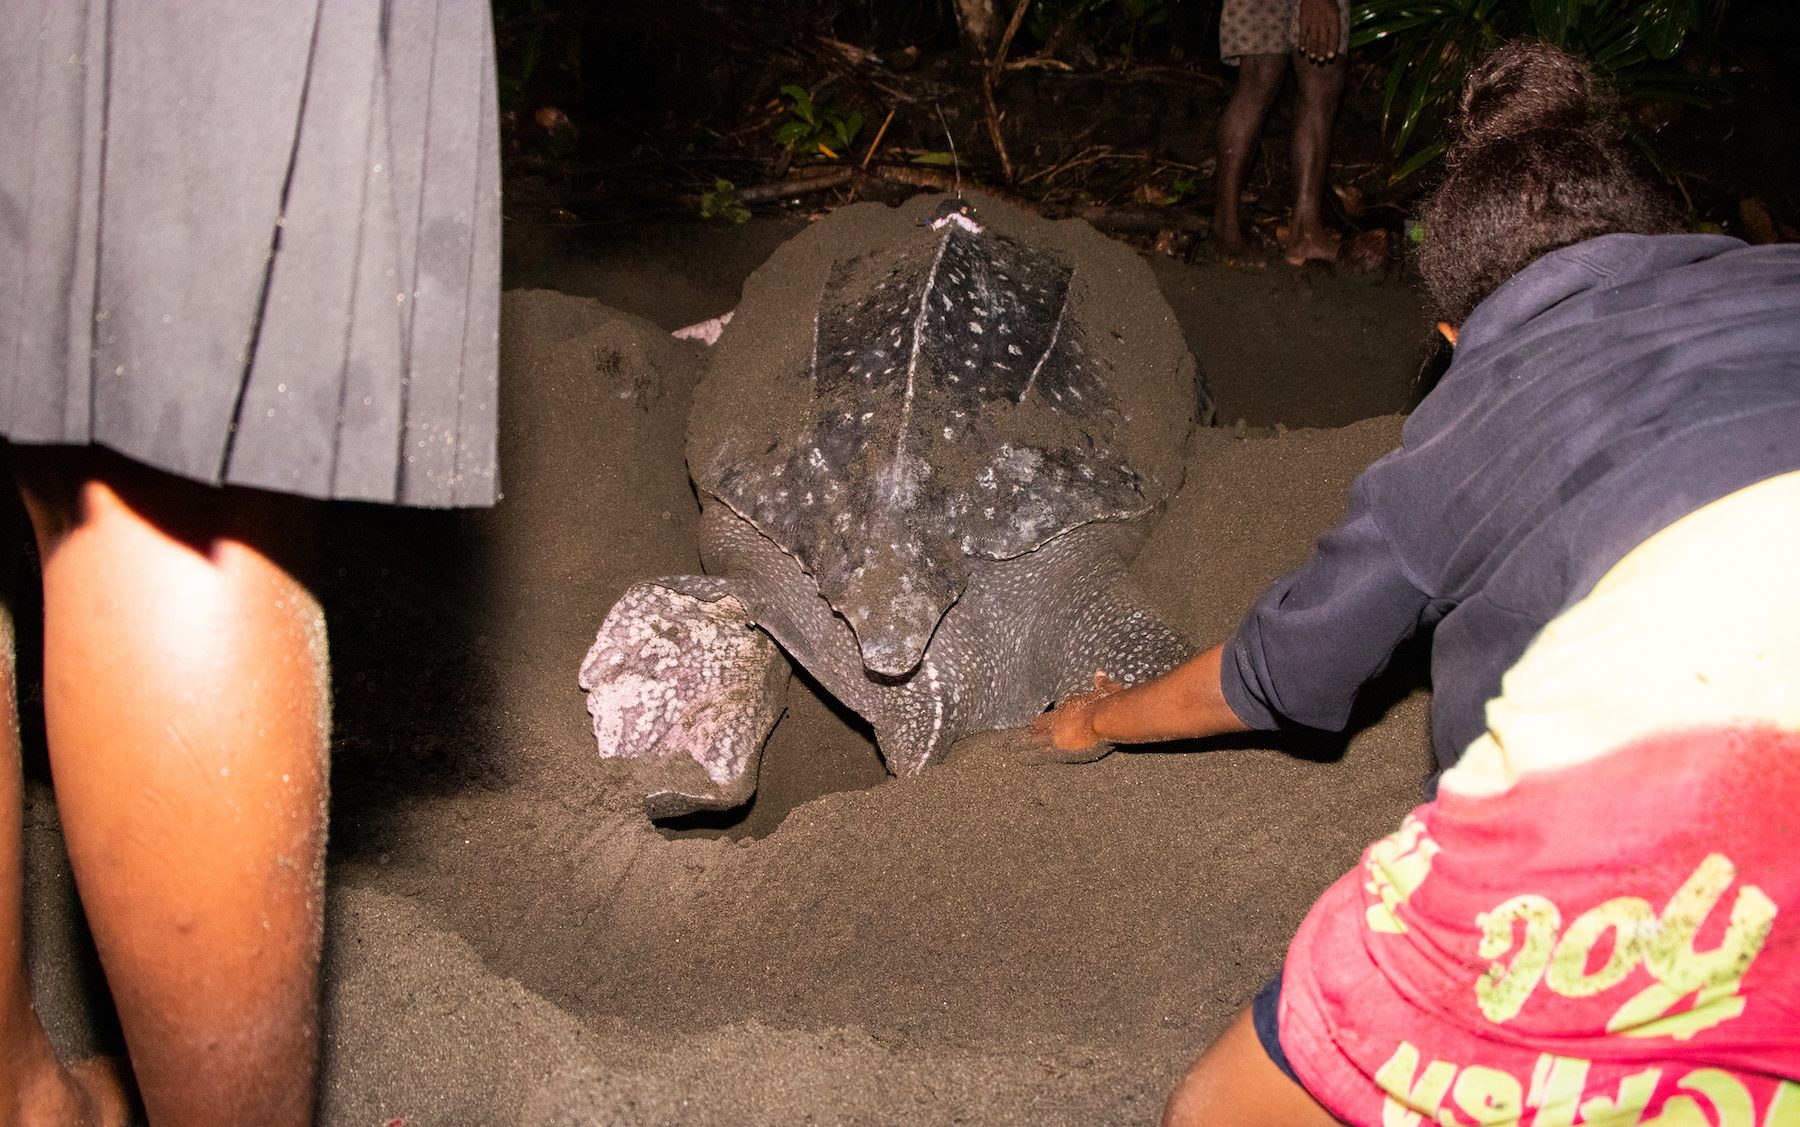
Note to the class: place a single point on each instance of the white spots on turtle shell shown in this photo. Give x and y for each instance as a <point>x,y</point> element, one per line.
<point>1019,462</point>
<point>975,327</point>
<point>815,458</point>
<point>1014,350</point>
<point>948,433</point>
<point>897,484</point>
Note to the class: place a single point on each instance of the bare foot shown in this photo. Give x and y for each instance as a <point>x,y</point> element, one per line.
<point>1232,246</point>
<point>1316,244</point>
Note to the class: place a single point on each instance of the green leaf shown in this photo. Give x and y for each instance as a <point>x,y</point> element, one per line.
<point>723,202</point>
<point>793,133</point>
<point>802,101</point>
<point>1666,25</point>
<point>1422,158</point>
<point>847,128</point>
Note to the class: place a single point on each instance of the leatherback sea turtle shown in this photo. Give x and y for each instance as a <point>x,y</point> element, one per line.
<point>925,448</point>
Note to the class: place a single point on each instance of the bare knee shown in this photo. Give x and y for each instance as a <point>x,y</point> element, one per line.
<point>1235,1082</point>
<point>1259,79</point>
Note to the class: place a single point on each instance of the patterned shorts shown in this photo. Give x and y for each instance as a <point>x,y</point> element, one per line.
<point>1266,27</point>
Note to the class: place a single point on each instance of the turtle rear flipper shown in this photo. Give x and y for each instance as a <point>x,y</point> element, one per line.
<point>683,686</point>
<point>1117,635</point>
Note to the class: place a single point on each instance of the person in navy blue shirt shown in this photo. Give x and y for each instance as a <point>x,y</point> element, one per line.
<point>1596,497</point>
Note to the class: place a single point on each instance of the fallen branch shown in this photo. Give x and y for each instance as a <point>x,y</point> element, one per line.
<point>838,176</point>
<point>915,177</point>
<point>1040,62</point>
<point>797,185</point>
<point>1142,219</point>
<point>879,134</point>
<point>1100,154</point>
<point>990,78</point>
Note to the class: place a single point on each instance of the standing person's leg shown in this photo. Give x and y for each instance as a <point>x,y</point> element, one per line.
<point>186,705</point>
<point>35,1088</point>
<point>1320,89</point>
<point>1235,1082</point>
<point>1259,79</point>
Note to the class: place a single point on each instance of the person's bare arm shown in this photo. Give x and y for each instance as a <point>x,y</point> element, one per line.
<point>1317,32</point>
<point>1184,703</point>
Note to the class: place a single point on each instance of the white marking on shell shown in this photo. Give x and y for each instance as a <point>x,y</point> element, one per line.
<point>1055,332</point>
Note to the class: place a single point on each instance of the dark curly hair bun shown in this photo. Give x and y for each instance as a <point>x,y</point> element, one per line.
<point>1533,164</point>
<point>1523,86</point>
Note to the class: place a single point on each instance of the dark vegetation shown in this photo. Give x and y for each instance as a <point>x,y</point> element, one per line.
<point>636,109</point>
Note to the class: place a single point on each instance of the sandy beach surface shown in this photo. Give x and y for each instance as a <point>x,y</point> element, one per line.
<point>997,941</point>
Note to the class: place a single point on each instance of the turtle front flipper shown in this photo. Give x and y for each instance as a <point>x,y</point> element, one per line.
<point>684,689</point>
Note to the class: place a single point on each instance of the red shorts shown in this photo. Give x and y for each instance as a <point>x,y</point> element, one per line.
<point>1597,921</point>
<point>1611,943</point>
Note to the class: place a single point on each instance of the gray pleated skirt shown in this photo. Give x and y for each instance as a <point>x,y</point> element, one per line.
<point>255,242</point>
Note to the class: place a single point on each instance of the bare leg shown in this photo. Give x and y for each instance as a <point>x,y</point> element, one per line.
<point>1259,78</point>
<point>1235,1082</point>
<point>1321,87</point>
<point>187,713</point>
<point>34,1086</point>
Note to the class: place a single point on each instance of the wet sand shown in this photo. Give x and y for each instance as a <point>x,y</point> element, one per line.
<point>996,941</point>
